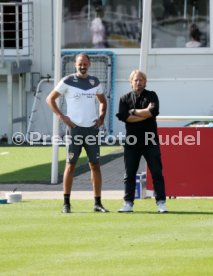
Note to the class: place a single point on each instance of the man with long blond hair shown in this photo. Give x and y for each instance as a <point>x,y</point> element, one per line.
<point>138,110</point>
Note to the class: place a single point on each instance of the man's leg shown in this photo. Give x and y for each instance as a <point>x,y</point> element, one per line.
<point>152,156</point>
<point>93,154</point>
<point>67,185</point>
<point>96,180</point>
<point>153,159</point>
<point>72,153</point>
<point>68,177</point>
<point>131,161</point>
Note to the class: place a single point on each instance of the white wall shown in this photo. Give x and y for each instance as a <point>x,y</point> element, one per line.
<point>183,81</point>
<point>43,38</point>
<point>42,61</point>
<point>4,105</point>
<point>42,118</point>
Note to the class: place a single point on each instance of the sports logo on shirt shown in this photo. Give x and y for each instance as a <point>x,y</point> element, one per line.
<point>77,95</point>
<point>92,82</point>
<point>71,155</point>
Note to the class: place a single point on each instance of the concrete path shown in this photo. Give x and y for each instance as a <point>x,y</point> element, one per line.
<point>112,168</point>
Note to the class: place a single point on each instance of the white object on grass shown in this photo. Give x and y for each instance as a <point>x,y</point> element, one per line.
<point>14,197</point>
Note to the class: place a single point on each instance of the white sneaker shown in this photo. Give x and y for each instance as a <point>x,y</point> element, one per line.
<point>162,206</point>
<point>127,207</point>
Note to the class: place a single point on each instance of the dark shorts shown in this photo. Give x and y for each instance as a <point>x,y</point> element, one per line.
<point>86,137</point>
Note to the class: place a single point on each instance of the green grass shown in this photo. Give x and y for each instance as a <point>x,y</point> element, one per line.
<point>33,164</point>
<point>36,239</point>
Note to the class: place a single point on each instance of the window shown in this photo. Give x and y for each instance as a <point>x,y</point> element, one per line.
<point>9,25</point>
<point>16,26</point>
<point>180,23</point>
<point>117,23</point>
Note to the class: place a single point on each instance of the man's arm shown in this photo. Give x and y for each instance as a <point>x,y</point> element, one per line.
<point>51,101</point>
<point>138,115</point>
<point>133,115</point>
<point>135,119</point>
<point>102,109</point>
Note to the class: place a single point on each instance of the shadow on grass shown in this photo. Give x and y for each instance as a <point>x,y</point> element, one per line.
<point>103,160</point>
<point>42,173</point>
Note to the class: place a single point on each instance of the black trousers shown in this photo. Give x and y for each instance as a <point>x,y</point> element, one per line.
<point>132,158</point>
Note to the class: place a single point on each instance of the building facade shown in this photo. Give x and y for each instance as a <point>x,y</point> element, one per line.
<point>181,75</point>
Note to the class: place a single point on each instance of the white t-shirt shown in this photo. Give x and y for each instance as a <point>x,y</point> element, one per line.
<point>193,44</point>
<point>98,31</point>
<point>80,95</point>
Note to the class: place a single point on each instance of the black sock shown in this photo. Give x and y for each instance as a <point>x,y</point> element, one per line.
<point>97,200</point>
<point>66,199</point>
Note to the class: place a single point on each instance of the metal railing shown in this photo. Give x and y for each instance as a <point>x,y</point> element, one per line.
<point>16,30</point>
<point>185,121</point>
<point>185,118</point>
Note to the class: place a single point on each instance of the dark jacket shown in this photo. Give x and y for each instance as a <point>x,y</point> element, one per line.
<point>139,129</point>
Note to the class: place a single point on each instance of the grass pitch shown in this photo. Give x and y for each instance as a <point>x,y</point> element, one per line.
<point>36,239</point>
<point>32,164</point>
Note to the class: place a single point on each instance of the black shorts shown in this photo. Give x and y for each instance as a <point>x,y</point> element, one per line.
<point>79,137</point>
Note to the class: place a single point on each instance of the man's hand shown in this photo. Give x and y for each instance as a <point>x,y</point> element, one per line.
<point>150,106</point>
<point>99,122</point>
<point>67,121</point>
